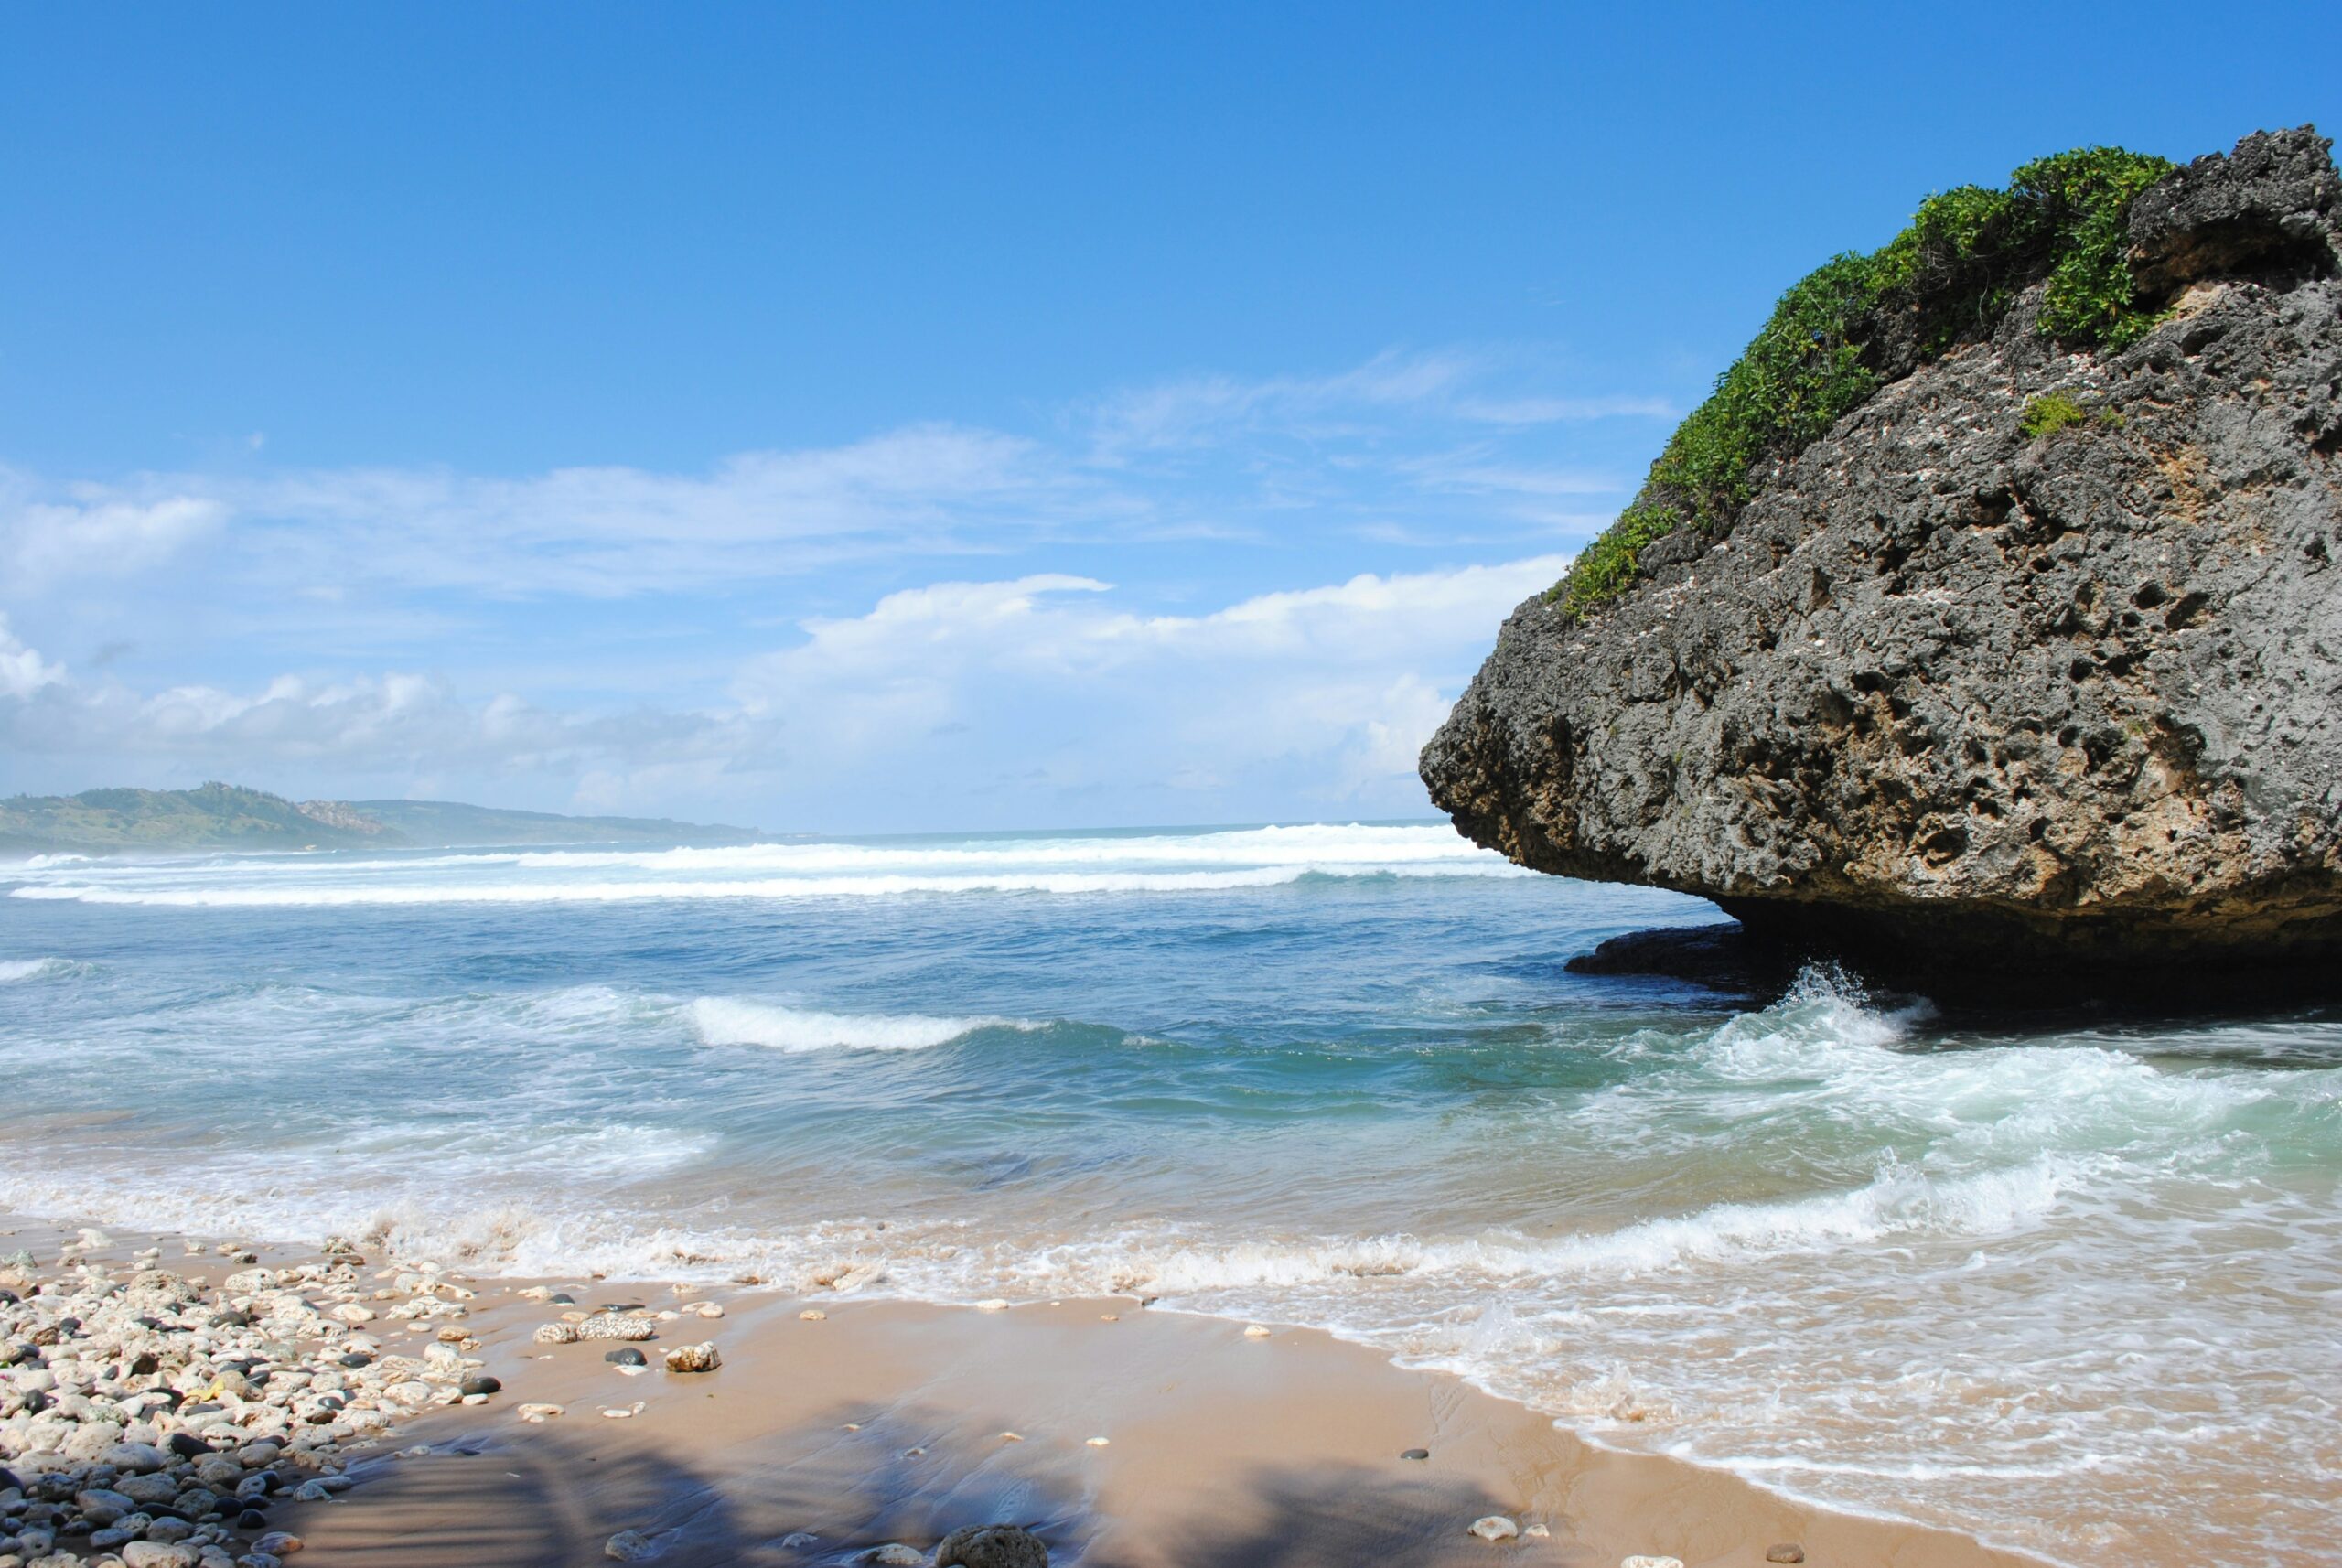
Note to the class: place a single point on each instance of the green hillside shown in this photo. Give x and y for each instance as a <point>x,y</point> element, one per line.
<point>226,816</point>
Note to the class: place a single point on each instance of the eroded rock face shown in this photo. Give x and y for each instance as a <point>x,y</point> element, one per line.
<point>1947,693</point>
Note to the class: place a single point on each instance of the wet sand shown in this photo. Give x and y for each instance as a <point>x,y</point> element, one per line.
<point>819,1441</point>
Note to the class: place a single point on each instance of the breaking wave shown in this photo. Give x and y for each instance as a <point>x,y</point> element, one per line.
<point>720,1021</point>
<point>15,970</point>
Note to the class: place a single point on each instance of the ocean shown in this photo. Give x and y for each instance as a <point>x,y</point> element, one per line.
<point>2071,1282</point>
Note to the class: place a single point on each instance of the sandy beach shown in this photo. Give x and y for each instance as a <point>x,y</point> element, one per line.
<point>1125,1437</point>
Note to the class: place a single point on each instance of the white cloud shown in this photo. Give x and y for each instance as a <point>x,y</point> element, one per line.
<point>1038,690</point>
<point>1048,673</point>
<point>94,532</point>
<point>386,725</point>
<point>23,671</point>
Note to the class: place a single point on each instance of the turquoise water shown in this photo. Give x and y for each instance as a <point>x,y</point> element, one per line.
<point>2075,1285</point>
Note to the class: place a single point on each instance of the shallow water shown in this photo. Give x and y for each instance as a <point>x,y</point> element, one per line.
<point>2076,1287</point>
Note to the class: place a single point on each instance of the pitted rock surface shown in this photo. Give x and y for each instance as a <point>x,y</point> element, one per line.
<point>1945,692</point>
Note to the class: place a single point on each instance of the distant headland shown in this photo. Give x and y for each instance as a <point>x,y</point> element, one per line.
<point>226,816</point>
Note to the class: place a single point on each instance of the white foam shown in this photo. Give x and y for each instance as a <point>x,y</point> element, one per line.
<point>1144,863</point>
<point>723,1021</point>
<point>314,897</point>
<point>1898,1203</point>
<point>13,970</point>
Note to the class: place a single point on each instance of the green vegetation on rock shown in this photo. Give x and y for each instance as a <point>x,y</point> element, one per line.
<point>2050,413</point>
<point>1861,321</point>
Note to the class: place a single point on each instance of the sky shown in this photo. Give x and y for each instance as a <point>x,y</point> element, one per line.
<point>900,418</point>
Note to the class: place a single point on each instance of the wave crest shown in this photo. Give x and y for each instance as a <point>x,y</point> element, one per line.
<point>723,1021</point>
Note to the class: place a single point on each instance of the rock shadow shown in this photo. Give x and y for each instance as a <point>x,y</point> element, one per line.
<point>820,1493</point>
<point>1334,1516</point>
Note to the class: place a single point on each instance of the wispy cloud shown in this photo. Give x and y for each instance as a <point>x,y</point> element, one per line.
<point>1206,457</point>
<point>963,613</point>
<point>91,531</point>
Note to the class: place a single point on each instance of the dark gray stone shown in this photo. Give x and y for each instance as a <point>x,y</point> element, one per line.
<point>1947,695</point>
<point>2273,202</point>
<point>992,1546</point>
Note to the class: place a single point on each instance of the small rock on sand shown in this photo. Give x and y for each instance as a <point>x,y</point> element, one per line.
<point>1097,1441</point>
<point>1256,1331</point>
<point>894,1555</point>
<point>558,1334</point>
<point>1642,1561</point>
<point>1788,1552</point>
<point>995,1305</point>
<point>536,1413</point>
<point>278,1543</point>
<point>812,1315</point>
<point>618,1326</point>
<point>992,1546</point>
<point>1416,1454</point>
<point>1494,1527</point>
<point>700,1358</point>
<point>633,1546</point>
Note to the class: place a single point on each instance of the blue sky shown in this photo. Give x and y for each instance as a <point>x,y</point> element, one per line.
<point>907,417</point>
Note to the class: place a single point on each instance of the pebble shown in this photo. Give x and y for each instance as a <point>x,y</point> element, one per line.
<point>701,1358</point>
<point>627,1357</point>
<point>625,1412</point>
<point>482,1385</point>
<point>157,1412</point>
<point>1496,1526</point>
<point>1788,1552</point>
<point>533,1414</point>
<point>633,1546</point>
<point>558,1334</point>
<point>618,1326</point>
<point>812,1315</point>
<point>995,1305</point>
<point>894,1555</point>
<point>1643,1561</point>
<point>1097,1441</point>
<point>992,1546</point>
<point>1536,1532</point>
<point>1416,1454</point>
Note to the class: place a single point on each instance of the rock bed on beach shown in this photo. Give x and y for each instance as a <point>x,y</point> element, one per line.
<point>150,1420</point>
<point>155,1419</point>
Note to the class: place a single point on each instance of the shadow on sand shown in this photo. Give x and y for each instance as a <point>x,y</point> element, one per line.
<point>821,1495</point>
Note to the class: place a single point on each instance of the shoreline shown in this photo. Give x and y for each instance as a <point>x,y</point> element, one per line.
<point>866,1423</point>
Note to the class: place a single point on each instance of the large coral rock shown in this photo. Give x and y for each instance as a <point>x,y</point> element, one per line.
<point>1955,695</point>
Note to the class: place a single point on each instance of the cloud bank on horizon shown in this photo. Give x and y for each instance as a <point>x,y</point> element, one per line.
<point>1123,615</point>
